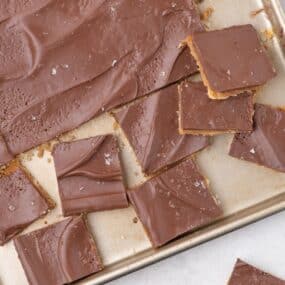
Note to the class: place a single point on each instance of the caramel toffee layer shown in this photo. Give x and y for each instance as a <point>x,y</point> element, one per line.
<point>58,254</point>
<point>21,203</point>
<point>174,203</point>
<point>89,175</point>
<point>231,59</point>
<point>151,126</point>
<point>246,274</point>
<point>199,114</point>
<point>265,145</point>
<point>95,55</point>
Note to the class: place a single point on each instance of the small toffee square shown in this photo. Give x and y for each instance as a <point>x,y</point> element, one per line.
<point>200,115</point>
<point>89,175</point>
<point>174,203</point>
<point>246,274</point>
<point>151,127</point>
<point>231,60</point>
<point>58,254</point>
<point>21,202</point>
<point>265,145</point>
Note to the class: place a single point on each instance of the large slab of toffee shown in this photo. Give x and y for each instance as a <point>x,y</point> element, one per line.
<point>151,127</point>
<point>95,55</point>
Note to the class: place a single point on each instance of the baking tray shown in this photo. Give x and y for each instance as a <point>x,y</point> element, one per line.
<point>247,192</point>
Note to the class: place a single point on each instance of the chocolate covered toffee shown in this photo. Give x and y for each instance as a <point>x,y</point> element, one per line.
<point>151,126</point>
<point>231,60</point>
<point>174,203</point>
<point>21,202</point>
<point>70,60</point>
<point>58,254</point>
<point>265,145</point>
<point>89,175</point>
<point>246,274</point>
<point>200,115</point>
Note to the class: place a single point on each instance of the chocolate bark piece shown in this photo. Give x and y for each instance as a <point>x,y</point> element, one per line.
<point>63,76</point>
<point>265,145</point>
<point>151,127</point>
<point>21,202</point>
<point>200,115</point>
<point>231,60</point>
<point>174,203</point>
<point>89,175</point>
<point>58,254</point>
<point>247,274</point>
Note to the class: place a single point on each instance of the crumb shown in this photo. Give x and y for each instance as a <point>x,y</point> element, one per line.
<point>41,151</point>
<point>45,222</point>
<point>49,160</point>
<point>256,12</point>
<point>268,34</point>
<point>135,220</point>
<point>205,15</point>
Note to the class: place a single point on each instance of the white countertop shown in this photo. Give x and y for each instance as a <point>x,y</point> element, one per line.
<point>261,244</point>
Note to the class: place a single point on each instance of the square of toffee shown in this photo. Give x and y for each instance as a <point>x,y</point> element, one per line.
<point>151,127</point>
<point>21,202</point>
<point>265,145</point>
<point>174,203</point>
<point>200,115</point>
<point>58,254</point>
<point>89,175</point>
<point>247,274</point>
<point>231,60</point>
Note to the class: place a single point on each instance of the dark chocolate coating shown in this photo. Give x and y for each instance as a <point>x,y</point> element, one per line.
<point>199,113</point>
<point>174,203</point>
<point>21,204</point>
<point>265,145</point>
<point>58,254</point>
<point>89,175</point>
<point>94,56</point>
<point>233,58</point>
<point>151,126</point>
<point>246,274</point>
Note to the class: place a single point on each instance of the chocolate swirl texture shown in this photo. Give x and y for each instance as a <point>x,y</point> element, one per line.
<point>69,60</point>
<point>151,126</point>
<point>174,203</point>
<point>58,254</point>
<point>265,145</point>
<point>89,175</point>
<point>21,204</point>
<point>247,274</point>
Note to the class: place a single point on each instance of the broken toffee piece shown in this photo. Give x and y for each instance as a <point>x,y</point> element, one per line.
<point>246,274</point>
<point>61,75</point>
<point>200,115</point>
<point>151,127</point>
<point>58,254</point>
<point>265,145</point>
<point>231,60</point>
<point>175,202</point>
<point>89,175</point>
<point>21,202</point>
